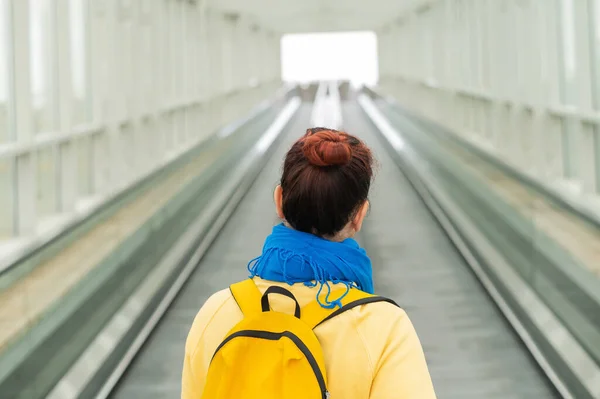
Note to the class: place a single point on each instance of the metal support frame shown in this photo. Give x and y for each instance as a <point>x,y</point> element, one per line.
<point>518,78</point>
<point>127,85</point>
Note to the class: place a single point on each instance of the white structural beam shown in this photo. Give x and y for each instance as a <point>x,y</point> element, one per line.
<point>293,16</point>
<point>23,182</point>
<point>66,162</point>
<point>594,38</point>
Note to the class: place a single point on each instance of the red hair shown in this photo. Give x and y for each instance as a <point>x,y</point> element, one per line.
<point>326,178</point>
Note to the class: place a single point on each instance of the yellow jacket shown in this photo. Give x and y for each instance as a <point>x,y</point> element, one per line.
<point>371,351</point>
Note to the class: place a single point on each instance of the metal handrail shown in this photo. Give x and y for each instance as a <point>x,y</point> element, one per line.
<point>57,242</point>
<point>578,209</point>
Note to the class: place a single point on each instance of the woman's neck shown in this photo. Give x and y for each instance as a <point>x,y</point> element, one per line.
<point>345,233</point>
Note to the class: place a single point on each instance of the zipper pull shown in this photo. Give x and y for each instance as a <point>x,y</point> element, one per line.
<point>327,395</point>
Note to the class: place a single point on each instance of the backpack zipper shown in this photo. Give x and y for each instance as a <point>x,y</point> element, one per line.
<point>294,338</point>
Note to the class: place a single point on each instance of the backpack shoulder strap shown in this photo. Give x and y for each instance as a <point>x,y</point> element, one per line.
<point>247,296</point>
<point>314,314</point>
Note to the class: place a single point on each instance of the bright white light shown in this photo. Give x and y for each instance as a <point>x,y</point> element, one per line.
<point>330,56</point>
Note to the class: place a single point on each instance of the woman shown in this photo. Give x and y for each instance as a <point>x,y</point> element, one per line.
<point>370,351</point>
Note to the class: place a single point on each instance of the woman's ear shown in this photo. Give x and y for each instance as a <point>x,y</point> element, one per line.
<point>278,198</point>
<point>358,219</point>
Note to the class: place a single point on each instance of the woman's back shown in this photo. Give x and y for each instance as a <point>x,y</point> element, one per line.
<point>371,351</point>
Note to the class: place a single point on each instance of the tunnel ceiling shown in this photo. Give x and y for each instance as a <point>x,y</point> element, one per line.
<point>290,16</point>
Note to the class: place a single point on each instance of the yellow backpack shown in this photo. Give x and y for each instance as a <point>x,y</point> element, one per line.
<point>272,354</point>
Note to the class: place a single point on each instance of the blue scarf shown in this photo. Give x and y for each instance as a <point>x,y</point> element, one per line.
<point>291,256</point>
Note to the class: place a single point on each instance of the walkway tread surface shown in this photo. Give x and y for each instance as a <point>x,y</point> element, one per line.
<point>471,350</point>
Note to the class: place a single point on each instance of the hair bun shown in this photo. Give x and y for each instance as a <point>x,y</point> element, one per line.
<point>327,148</point>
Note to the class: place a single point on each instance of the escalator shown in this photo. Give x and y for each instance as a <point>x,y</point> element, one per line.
<point>471,349</point>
